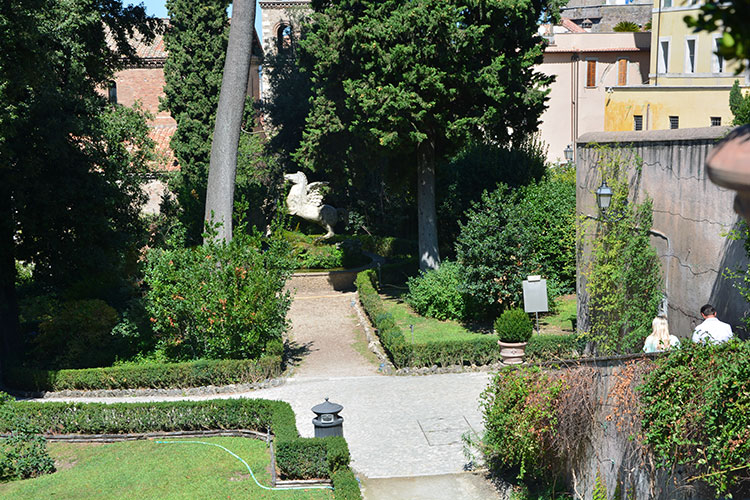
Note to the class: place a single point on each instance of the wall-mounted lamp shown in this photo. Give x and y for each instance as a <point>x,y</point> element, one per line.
<point>603,197</point>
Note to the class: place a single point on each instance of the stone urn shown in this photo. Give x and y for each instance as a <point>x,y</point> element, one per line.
<point>512,352</point>
<point>513,328</point>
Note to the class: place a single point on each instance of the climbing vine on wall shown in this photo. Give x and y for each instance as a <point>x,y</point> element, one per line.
<point>623,274</point>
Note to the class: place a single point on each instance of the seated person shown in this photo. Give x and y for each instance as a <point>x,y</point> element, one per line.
<point>660,339</point>
<point>712,330</point>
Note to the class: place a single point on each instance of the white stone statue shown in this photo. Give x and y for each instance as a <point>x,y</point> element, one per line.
<point>306,201</point>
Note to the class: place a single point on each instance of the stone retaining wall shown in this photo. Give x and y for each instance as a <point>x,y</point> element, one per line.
<point>692,217</point>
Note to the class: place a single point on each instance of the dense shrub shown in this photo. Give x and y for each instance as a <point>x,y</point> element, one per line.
<point>345,485</point>
<point>479,167</point>
<point>219,300</point>
<point>146,375</point>
<point>549,347</point>
<point>695,412</point>
<point>435,293</point>
<point>511,234</point>
<point>480,351</point>
<point>535,420</point>
<point>23,453</point>
<point>514,326</point>
<point>339,251</point>
<point>303,458</point>
<point>78,335</point>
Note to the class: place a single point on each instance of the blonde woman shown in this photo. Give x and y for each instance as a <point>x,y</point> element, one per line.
<point>660,339</point>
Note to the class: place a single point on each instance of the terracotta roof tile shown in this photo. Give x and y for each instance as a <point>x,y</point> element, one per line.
<point>571,26</point>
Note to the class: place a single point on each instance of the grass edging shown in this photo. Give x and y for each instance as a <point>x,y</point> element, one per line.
<point>296,457</point>
<point>482,350</point>
<point>146,376</point>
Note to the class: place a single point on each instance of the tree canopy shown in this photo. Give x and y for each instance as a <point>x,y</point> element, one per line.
<point>415,80</point>
<point>69,184</point>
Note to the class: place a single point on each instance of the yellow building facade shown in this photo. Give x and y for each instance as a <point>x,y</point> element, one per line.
<point>688,83</point>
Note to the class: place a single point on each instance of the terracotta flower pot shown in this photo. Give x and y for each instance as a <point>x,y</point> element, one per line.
<point>512,353</point>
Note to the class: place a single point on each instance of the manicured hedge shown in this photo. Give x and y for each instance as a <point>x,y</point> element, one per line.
<point>482,350</point>
<point>149,376</point>
<point>546,347</point>
<point>296,458</point>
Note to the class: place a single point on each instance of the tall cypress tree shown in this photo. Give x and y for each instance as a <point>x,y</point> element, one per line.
<point>196,40</point>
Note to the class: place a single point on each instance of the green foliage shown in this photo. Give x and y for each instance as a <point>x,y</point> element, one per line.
<point>626,26</point>
<point>345,485</point>
<point>519,417</point>
<point>511,234</point>
<point>479,350</point>
<point>303,458</point>
<point>623,276</point>
<point>514,325</point>
<point>739,105</point>
<point>78,335</point>
<point>435,293</point>
<point>147,375</point>
<point>219,300</point>
<point>196,39</point>
<point>342,251</point>
<point>553,347</point>
<point>297,458</point>
<point>728,18</point>
<point>23,453</point>
<point>600,489</point>
<point>695,408</point>
<point>462,179</point>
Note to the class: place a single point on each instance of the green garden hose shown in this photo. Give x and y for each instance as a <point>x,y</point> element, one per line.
<point>248,467</point>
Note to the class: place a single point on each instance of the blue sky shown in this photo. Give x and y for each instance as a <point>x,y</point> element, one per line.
<point>157,8</point>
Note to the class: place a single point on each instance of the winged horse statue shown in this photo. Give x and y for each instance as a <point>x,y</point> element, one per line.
<point>306,201</point>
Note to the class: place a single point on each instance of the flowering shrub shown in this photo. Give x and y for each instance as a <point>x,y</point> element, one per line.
<point>219,300</point>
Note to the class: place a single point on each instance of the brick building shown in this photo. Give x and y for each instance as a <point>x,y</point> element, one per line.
<point>144,82</point>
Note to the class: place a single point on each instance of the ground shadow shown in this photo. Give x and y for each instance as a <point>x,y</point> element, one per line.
<point>295,353</point>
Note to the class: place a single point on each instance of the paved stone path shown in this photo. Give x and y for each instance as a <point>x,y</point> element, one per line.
<point>396,426</point>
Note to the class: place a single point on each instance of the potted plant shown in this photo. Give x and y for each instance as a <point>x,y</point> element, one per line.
<point>514,328</point>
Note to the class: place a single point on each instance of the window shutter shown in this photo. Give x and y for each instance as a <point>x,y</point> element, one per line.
<point>591,74</point>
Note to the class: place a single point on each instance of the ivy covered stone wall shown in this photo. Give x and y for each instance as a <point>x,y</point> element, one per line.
<point>691,218</point>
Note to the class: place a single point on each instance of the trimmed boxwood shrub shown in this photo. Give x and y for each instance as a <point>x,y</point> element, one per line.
<point>296,458</point>
<point>514,326</point>
<point>149,376</point>
<point>482,350</point>
<point>549,347</point>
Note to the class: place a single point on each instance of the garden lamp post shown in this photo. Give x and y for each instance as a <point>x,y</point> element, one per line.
<point>568,151</point>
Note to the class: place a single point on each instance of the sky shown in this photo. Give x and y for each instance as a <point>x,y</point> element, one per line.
<point>157,8</point>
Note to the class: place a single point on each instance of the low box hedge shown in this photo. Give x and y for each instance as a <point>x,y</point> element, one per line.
<point>296,457</point>
<point>146,376</point>
<point>482,350</point>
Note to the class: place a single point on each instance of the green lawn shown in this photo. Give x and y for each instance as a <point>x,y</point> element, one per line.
<point>425,329</point>
<point>430,329</point>
<point>149,470</point>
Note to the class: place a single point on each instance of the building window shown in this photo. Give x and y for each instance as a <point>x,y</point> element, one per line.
<point>674,122</point>
<point>666,3</point>
<point>587,24</point>
<point>591,73</point>
<point>716,121</point>
<point>622,72</point>
<point>718,59</point>
<point>284,37</point>
<point>112,92</point>
<point>638,122</point>
<point>663,56</point>
<point>690,44</point>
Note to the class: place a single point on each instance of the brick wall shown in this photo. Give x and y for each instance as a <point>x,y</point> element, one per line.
<point>146,85</point>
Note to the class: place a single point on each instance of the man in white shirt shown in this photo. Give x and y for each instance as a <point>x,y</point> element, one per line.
<point>712,330</point>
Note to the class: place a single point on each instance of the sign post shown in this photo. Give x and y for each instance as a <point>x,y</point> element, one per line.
<point>535,296</point>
